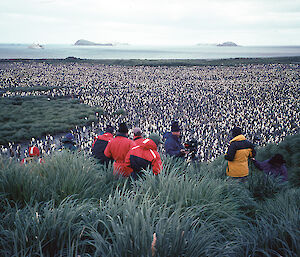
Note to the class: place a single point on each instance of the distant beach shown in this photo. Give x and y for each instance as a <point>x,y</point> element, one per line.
<point>166,62</point>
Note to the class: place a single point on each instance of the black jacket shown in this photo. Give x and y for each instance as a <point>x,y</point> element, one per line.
<point>99,146</point>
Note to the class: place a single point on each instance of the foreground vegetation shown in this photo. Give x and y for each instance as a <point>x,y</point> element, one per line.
<point>22,118</point>
<point>73,206</point>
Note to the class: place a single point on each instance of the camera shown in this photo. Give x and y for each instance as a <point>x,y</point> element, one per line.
<point>191,145</point>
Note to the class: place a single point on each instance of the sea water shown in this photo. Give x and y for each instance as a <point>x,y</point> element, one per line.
<point>16,51</point>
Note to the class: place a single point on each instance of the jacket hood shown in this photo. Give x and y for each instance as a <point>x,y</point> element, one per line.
<point>121,135</point>
<point>137,137</point>
<point>148,144</point>
<point>238,138</point>
<point>106,136</point>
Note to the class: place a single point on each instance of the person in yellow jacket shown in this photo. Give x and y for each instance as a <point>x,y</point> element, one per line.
<point>239,151</point>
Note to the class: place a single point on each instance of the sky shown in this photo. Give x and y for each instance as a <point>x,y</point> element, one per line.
<point>152,22</point>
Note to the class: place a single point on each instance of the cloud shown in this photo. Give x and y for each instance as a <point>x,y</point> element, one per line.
<point>143,21</point>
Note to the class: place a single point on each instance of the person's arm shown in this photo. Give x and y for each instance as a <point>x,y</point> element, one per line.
<point>127,159</point>
<point>172,149</point>
<point>229,156</point>
<point>284,173</point>
<point>253,152</point>
<point>157,164</point>
<point>107,151</point>
<point>257,164</point>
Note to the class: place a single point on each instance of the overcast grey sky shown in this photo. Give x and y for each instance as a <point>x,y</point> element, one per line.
<point>159,22</point>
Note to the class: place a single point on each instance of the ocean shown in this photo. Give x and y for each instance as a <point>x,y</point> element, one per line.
<point>16,51</point>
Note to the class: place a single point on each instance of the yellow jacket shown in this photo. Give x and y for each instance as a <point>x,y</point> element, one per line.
<point>237,155</point>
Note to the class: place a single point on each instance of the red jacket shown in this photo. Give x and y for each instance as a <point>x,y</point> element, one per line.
<point>117,149</point>
<point>138,140</point>
<point>105,137</point>
<point>143,156</point>
<point>99,146</point>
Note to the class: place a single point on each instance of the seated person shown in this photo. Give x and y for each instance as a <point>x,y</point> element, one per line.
<point>143,156</point>
<point>274,166</point>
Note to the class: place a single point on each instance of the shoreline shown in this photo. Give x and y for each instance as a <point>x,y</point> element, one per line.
<point>168,62</point>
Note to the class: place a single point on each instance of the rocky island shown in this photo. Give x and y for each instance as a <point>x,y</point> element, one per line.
<point>83,42</point>
<point>227,44</point>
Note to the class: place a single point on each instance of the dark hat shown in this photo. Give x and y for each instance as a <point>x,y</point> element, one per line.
<point>236,131</point>
<point>110,129</point>
<point>277,159</point>
<point>69,137</point>
<point>175,126</point>
<point>155,138</point>
<point>123,128</point>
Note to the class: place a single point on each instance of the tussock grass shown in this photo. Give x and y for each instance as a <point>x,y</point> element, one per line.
<point>22,118</point>
<point>71,206</point>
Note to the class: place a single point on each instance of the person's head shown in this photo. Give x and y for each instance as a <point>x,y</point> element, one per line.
<point>123,129</point>
<point>236,131</point>
<point>69,137</point>
<point>34,151</point>
<point>156,138</point>
<point>175,129</point>
<point>137,132</point>
<point>277,160</point>
<point>109,129</point>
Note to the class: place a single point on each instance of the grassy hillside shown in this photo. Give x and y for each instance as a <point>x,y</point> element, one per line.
<point>72,206</point>
<point>22,118</point>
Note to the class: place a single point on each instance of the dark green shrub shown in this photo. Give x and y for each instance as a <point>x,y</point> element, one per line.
<point>29,117</point>
<point>120,112</point>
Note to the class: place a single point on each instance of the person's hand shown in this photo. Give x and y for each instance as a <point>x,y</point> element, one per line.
<point>252,159</point>
<point>184,151</point>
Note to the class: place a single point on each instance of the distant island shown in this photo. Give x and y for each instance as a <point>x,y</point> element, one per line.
<point>227,44</point>
<point>36,46</point>
<point>83,42</point>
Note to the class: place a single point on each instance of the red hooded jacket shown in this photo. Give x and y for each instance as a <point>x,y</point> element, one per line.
<point>138,140</point>
<point>117,149</point>
<point>143,156</point>
<point>105,137</point>
<point>99,146</point>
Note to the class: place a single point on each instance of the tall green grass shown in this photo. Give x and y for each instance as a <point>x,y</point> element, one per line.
<point>290,149</point>
<point>71,206</point>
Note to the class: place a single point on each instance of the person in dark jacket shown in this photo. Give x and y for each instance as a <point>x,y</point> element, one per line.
<point>173,144</point>
<point>117,150</point>
<point>68,143</point>
<point>274,166</point>
<point>239,151</point>
<point>143,156</point>
<point>100,143</point>
<point>137,136</point>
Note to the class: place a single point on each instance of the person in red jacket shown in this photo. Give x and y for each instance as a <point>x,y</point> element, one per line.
<point>117,149</point>
<point>100,144</point>
<point>138,139</point>
<point>33,157</point>
<point>143,156</point>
